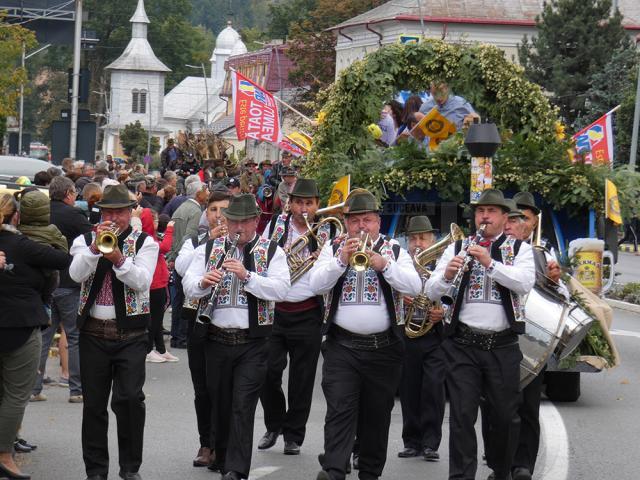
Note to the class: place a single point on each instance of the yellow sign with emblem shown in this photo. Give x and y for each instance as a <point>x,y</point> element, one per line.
<point>612,204</point>
<point>340,191</point>
<point>436,126</point>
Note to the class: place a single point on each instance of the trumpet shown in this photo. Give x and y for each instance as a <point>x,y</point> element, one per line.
<point>360,260</point>
<point>107,240</point>
<point>224,230</point>
<point>451,294</point>
<point>422,258</point>
<point>298,265</point>
<point>206,314</point>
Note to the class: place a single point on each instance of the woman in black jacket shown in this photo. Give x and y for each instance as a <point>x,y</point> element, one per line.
<point>22,316</point>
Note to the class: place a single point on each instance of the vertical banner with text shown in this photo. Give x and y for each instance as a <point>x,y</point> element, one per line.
<point>255,110</point>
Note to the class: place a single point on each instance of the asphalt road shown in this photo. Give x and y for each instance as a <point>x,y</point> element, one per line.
<point>592,439</point>
<point>628,268</point>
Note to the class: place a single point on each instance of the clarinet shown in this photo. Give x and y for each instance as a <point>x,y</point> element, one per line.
<point>206,313</point>
<point>451,294</point>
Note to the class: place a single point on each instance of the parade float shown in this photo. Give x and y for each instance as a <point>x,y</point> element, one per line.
<point>535,155</point>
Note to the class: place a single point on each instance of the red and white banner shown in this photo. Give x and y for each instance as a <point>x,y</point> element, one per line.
<point>255,110</point>
<point>595,142</point>
<point>289,146</point>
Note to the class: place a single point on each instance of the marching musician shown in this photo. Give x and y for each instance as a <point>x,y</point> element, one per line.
<point>422,395</point>
<point>481,344</point>
<point>113,318</point>
<point>237,350</point>
<point>196,340</point>
<point>296,330</point>
<point>364,349</point>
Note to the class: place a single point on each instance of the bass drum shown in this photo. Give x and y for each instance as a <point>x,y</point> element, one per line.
<point>576,327</point>
<point>545,315</point>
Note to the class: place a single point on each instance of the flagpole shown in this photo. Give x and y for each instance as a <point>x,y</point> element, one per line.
<point>285,104</point>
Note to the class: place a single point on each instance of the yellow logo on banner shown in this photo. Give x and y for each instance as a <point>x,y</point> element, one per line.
<point>340,191</point>
<point>435,126</point>
<point>612,206</point>
<point>302,140</point>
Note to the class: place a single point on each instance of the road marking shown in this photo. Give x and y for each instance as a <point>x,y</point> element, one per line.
<point>556,443</point>
<point>625,333</point>
<point>262,472</point>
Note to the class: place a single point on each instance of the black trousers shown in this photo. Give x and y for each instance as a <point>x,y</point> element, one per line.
<point>235,377</point>
<point>157,305</point>
<point>178,323</point>
<point>472,373</point>
<point>358,382</point>
<point>297,335</point>
<point>529,412</point>
<point>116,368</point>
<point>422,394</point>
<point>196,348</point>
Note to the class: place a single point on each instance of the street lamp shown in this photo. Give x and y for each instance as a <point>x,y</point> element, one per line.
<point>636,118</point>
<point>206,91</point>
<point>25,57</point>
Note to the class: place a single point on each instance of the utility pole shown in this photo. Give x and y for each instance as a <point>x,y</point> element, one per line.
<point>636,119</point>
<point>75,94</point>
<point>21,103</point>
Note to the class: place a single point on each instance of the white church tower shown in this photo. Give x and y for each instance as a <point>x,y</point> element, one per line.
<point>137,86</point>
<point>228,43</point>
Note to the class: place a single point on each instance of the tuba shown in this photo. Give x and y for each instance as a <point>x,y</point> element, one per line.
<point>107,240</point>
<point>298,265</point>
<point>415,329</point>
<point>360,260</point>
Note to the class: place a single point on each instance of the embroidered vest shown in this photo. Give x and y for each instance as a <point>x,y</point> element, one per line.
<point>192,304</point>
<point>279,231</point>
<point>476,287</point>
<point>257,256</point>
<point>365,288</point>
<point>132,306</point>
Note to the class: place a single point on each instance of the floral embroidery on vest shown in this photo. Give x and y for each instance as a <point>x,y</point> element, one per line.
<point>278,229</point>
<point>136,302</point>
<point>232,294</point>
<point>364,288</point>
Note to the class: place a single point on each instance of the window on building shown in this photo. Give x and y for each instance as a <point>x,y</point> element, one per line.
<point>135,95</point>
<point>142,105</point>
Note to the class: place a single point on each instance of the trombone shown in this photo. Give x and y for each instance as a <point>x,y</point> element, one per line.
<point>107,240</point>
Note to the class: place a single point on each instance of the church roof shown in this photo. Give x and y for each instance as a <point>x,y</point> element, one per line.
<point>138,55</point>
<point>518,12</point>
<point>226,40</point>
<point>187,100</point>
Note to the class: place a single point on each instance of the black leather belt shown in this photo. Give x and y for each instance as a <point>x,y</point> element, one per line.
<point>482,339</point>
<point>228,336</point>
<point>108,330</point>
<point>362,342</point>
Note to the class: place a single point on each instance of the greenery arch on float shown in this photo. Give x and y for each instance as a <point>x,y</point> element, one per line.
<point>533,155</point>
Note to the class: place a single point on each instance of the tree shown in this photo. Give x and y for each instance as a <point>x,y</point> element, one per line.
<point>575,41</point>
<point>134,138</point>
<point>13,38</point>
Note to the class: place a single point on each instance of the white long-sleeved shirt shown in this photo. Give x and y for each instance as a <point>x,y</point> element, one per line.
<point>301,290</point>
<point>274,286</point>
<point>136,272</point>
<point>370,318</point>
<point>519,278</point>
<point>185,256</point>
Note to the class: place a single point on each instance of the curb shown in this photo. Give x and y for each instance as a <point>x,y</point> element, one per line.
<point>626,247</point>
<point>629,307</point>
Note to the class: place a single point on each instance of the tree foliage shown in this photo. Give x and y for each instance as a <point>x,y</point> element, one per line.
<point>12,75</point>
<point>532,156</point>
<point>575,41</point>
<point>134,138</point>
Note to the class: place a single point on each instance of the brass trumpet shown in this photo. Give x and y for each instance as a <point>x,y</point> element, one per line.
<point>360,260</point>
<point>298,265</point>
<point>107,240</point>
<point>418,328</point>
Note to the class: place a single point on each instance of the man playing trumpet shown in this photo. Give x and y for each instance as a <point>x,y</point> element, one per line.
<point>296,330</point>
<point>422,394</point>
<point>364,349</point>
<point>236,351</point>
<point>112,317</point>
<point>481,344</point>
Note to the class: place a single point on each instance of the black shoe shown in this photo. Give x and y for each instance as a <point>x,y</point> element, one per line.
<point>130,475</point>
<point>322,475</point>
<point>430,455</point>
<point>409,452</point>
<point>26,444</point>
<point>521,473</point>
<point>231,475</point>
<point>291,448</point>
<point>356,461</point>
<point>6,473</point>
<point>20,448</point>
<point>96,477</point>
<point>268,440</point>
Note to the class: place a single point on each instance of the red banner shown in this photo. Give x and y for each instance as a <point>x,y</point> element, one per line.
<point>595,142</point>
<point>256,112</point>
<point>289,146</point>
